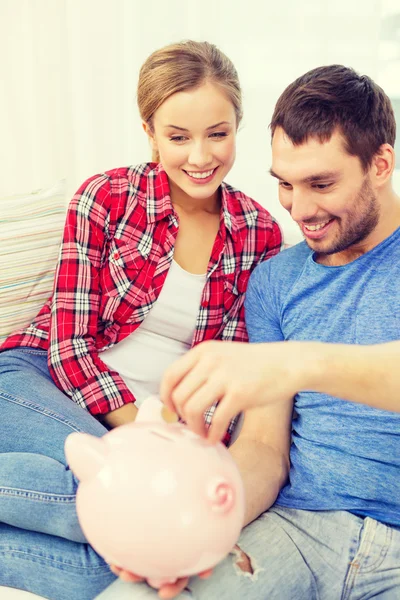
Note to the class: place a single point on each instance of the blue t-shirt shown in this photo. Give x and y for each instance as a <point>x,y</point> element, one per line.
<point>344,456</point>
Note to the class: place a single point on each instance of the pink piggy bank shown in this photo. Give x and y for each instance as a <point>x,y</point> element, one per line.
<point>155,498</point>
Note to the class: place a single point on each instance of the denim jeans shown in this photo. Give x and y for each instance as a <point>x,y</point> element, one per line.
<point>294,554</point>
<point>42,547</point>
<point>298,555</point>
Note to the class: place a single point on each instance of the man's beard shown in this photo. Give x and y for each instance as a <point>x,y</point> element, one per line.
<point>361,221</point>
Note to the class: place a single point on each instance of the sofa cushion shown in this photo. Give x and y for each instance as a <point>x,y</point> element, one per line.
<point>30,233</point>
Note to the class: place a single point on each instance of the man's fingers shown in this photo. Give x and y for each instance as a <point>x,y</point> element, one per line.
<point>189,387</point>
<point>204,398</point>
<point>224,413</point>
<point>174,374</point>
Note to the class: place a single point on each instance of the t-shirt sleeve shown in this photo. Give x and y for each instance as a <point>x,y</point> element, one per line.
<point>262,314</point>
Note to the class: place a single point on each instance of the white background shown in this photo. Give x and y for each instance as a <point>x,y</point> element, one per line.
<point>69,71</point>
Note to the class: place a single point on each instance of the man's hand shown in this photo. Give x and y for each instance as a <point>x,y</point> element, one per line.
<point>237,375</point>
<point>166,591</point>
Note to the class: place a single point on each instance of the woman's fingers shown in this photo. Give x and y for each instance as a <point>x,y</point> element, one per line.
<point>171,590</point>
<point>126,575</point>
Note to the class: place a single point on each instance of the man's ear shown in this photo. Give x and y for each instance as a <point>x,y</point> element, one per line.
<point>383,164</point>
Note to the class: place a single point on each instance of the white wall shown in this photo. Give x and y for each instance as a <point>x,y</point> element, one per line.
<point>70,68</point>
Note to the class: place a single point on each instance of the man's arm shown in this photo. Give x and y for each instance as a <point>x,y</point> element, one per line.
<point>244,376</point>
<point>363,374</point>
<point>262,454</point>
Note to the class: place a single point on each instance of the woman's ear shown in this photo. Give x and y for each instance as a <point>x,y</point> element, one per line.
<point>147,128</point>
<point>153,144</point>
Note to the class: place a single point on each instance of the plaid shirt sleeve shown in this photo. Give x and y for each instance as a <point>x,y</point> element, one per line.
<point>73,358</point>
<point>265,240</point>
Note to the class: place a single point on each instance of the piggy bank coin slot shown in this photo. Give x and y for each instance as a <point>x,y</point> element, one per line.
<point>163,434</point>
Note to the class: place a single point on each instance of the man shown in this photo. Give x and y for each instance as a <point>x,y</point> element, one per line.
<point>323,488</point>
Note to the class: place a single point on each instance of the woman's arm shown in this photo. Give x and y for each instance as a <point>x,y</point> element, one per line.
<point>74,362</point>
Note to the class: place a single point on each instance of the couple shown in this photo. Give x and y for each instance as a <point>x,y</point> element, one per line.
<point>156,259</point>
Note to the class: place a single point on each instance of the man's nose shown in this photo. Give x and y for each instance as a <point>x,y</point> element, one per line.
<point>302,207</point>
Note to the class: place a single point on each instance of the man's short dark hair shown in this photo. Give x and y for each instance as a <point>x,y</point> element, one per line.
<point>336,97</point>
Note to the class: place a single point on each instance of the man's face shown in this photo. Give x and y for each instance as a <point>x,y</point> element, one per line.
<point>327,193</point>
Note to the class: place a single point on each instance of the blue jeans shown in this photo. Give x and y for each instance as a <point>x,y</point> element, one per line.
<point>42,547</point>
<point>298,555</point>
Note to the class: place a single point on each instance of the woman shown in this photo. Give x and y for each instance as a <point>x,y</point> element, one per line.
<point>154,260</point>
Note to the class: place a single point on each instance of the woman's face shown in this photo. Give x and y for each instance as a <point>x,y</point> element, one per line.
<point>195,135</point>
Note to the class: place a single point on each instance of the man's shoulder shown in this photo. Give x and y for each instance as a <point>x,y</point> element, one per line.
<point>289,260</point>
<point>277,275</point>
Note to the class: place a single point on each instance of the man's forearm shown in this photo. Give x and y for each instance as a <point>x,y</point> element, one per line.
<point>263,470</point>
<point>363,374</point>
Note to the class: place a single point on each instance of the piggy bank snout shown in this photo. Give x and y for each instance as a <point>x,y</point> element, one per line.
<point>221,495</point>
<point>85,454</point>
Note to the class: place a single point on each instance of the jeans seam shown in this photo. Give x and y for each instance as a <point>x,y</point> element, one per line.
<point>36,556</point>
<point>26,350</point>
<point>382,555</point>
<point>37,408</point>
<point>35,496</point>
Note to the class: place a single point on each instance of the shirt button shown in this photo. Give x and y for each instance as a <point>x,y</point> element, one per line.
<point>116,255</point>
<point>204,303</point>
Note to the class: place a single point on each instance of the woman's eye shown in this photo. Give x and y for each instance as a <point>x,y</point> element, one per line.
<point>177,138</point>
<point>219,134</point>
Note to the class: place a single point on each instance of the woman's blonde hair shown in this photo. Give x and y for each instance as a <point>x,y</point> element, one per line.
<point>181,67</point>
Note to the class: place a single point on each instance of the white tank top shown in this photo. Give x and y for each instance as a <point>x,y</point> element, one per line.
<point>164,335</point>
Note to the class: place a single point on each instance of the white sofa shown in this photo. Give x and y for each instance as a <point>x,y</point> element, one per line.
<point>30,232</point>
<point>14,594</point>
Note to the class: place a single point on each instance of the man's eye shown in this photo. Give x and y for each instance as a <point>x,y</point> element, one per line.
<point>321,186</point>
<point>285,185</point>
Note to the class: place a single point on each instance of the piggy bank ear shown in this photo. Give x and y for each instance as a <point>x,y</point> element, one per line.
<point>150,411</point>
<point>85,454</point>
<point>221,495</point>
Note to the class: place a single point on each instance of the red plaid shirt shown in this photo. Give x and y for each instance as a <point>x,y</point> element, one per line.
<point>117,248</point>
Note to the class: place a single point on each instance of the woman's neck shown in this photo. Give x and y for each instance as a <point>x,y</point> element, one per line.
<point>184,202</point>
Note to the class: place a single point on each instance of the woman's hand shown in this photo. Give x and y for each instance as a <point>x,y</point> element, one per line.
<point>167,591</point>
<point>237,375</point>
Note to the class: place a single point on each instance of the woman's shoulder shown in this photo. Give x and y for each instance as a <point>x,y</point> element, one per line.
<point>244,205</point>
<point>133,175</point>
<point>122,182</point>
<point>122,175</point>
<point>249,216</point>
